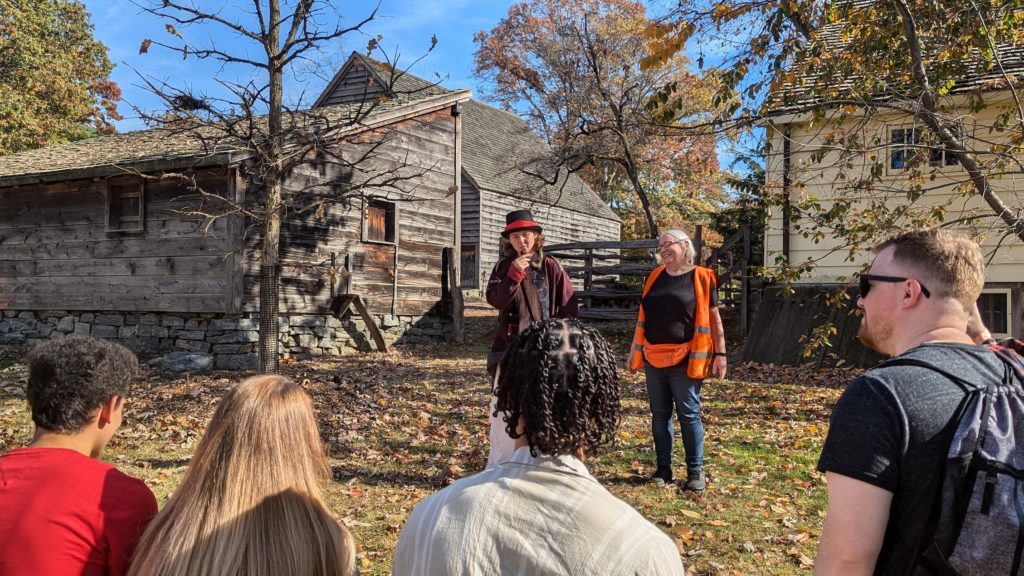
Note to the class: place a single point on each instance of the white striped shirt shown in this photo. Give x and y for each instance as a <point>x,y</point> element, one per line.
<point>531,516</point>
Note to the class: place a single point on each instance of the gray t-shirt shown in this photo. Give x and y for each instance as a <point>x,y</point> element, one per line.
<point>892,427</point>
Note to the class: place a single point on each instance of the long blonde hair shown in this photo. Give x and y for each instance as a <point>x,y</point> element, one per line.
<point>250,502</point>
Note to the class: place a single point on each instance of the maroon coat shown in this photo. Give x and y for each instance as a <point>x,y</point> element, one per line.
<point>504,284</point>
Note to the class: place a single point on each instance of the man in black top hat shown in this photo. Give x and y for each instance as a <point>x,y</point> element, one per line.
<point>525,285</point>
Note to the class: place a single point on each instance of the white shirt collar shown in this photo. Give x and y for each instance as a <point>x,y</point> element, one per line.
<point>562,463</point>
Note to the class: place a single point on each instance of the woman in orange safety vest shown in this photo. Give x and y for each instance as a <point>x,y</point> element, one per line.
<point>678,342</point>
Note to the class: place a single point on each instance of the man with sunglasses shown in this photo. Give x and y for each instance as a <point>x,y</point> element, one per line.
<point>891,428</point>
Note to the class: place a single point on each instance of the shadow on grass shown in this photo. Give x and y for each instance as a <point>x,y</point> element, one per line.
<point>621,479</point>
<point>162,463</point>
<point>342,474</point>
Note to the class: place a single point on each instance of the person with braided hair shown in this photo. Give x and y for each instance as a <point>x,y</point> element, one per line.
<point>540,511</point>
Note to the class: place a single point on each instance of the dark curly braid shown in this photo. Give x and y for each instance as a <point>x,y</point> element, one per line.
<point>559,376</point>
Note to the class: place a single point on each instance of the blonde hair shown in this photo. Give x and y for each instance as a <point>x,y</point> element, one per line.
<point>250,502</point>
<point>948,262</point>
<point>679,235</point>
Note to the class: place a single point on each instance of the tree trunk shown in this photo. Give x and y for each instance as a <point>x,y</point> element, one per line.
<point>642,195</point>
<point>270,266</point>
<point>270,275</point>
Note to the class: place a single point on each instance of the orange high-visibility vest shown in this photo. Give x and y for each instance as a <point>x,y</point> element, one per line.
<point>700,349</point>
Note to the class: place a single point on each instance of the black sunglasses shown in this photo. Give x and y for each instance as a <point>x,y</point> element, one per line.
<point>865,283</point>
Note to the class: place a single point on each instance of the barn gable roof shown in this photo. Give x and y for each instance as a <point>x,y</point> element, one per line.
<point>498,147</point>
<point>497,143</point>
<point>179,148</point>
<point>401,83</point>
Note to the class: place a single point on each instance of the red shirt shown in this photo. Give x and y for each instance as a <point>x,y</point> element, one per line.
<point>62,513</point>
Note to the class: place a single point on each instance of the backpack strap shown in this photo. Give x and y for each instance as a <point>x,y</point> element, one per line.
<point>927,552</point>
<point>932,555</point>
<point>966,386</point>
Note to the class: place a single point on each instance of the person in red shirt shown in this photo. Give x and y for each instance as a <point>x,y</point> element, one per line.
<point>63,511</point>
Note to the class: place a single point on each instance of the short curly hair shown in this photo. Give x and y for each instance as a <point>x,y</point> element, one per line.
<point>559,376</point>
<point>948,260</point>
<point>71,377</point>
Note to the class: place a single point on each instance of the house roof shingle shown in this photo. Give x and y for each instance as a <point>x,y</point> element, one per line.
<point>798,95</point>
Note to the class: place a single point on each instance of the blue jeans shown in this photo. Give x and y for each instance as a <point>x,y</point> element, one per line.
<point>665,385</point>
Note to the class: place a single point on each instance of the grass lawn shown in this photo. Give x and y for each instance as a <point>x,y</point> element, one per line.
<point>399,426</point>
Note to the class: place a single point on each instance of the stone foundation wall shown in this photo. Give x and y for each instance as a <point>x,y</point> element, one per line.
<point>227,341</point>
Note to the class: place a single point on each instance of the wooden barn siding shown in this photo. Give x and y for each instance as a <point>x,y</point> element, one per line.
<point>358,84</point>
<point>470,213</point>
<point>425,226</point>
<point>56,255</point>
<point>470,232</point>
<point>560,225</point>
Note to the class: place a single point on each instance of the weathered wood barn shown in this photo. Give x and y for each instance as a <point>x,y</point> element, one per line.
<point>90,245</point>
<point>496,147</point>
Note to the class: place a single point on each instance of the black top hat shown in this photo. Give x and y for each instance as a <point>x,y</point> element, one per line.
<point>517,220</point>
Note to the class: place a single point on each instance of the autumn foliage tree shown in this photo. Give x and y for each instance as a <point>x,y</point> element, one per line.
<point>839,70</point>
<point>54,76</point>
<point>572,69</point>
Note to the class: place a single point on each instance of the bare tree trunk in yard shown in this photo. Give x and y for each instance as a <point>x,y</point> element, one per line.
<point>270,276</point>
<point>270,265</point>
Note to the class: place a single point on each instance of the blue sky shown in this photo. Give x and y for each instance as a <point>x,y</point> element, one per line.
<point>405,25</point>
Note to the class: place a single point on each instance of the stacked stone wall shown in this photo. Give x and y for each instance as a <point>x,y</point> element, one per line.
<point>229,341</point>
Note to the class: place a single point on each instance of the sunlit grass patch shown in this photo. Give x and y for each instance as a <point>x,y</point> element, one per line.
<point>400,426</point>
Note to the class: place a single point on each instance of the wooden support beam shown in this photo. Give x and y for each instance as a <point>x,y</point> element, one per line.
<point>458,304</point>
<point>341,303</point>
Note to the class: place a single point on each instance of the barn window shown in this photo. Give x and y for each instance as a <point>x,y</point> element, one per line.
<point>380,221</point>
<point>125,207</point>
<point>994,306</point>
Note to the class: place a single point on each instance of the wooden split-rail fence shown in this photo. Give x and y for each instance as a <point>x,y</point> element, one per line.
<point>612,274</point>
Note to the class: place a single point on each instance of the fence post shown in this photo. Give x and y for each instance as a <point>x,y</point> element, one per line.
<point>745,281</point>
<point>588,275</point>
<point>698,243</point>
<point>450,283</point>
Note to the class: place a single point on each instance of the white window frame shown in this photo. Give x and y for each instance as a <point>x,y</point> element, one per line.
<point>1008,293</point>
<point>919,148</point>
